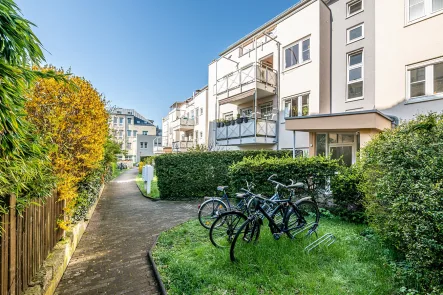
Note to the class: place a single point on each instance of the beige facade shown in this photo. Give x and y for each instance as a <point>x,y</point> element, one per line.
<point>125,125</point>
<point>185,126</point>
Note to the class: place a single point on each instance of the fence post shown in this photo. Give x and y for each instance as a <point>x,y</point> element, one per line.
<point>12,244</point>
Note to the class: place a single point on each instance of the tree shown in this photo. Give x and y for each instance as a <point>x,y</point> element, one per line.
<point>74,124</point>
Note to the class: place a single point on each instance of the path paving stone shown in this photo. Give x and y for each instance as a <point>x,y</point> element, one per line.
<point>111,257</point>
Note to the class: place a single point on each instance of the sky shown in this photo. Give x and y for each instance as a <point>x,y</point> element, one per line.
<point>144,54</point>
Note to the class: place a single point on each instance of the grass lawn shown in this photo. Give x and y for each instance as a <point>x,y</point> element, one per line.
<point>154,187</point>
<point>354,264</point>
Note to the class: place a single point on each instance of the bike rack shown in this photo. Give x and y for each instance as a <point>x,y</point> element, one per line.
<point>305,228</point>
<point>328,238</point>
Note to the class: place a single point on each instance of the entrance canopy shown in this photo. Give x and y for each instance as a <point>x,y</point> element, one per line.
<point>372,119</point>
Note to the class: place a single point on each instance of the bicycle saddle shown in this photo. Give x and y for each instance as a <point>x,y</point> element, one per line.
<point>240,195</point>
<point>222,188</point>
<point>297,185</point>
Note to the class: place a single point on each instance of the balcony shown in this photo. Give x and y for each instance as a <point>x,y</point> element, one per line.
<point>183,124</point>
<point>239,86</point>
<point>182,146</point>
<point>264,132</point>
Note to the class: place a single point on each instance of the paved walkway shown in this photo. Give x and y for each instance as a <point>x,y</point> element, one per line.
<point>111,257</point>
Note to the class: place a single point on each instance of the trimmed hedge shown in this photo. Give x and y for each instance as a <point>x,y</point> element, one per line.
<point>197,174</point>
<point>258,169</point>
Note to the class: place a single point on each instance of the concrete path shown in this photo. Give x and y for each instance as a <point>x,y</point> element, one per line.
<point>111,257</point>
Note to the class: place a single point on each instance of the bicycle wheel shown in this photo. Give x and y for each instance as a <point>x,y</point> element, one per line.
<point>244,239</point>
<point>304,214</point>
<point>225,227</point>
<point>209,211</point>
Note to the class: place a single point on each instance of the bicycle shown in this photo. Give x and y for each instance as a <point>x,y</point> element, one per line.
<point>211,209</point>
<point>296,215</point>
<point>224,228</point>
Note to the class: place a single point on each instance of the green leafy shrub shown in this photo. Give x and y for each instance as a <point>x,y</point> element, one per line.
<point>348,199</point>
<point>148,160</point>
<point>88,190</point>
<point>258,169</point>
<point>402,181</point>
<point>140,167</point>
<point>197,174</point>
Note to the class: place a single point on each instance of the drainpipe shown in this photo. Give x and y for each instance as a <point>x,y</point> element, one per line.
<point>293,144</point>
<point>256,94</point>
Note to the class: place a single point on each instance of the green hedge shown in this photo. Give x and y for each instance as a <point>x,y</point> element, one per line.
<point>258,169</point>
<point>197,174</point>
<point>403,185</point>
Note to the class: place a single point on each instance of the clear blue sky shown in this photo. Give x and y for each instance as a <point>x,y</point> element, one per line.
<point>144,54</point>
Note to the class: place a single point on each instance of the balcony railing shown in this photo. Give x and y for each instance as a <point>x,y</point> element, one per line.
<point>183,123</point>
<point>264,128</point>
<point>238,81</point>
<point>182,145</point>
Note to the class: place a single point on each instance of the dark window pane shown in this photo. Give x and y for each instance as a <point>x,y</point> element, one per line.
<point>418,89</point>
<point>355,90</point>
<point>437,5</point>
<point>355,7</point>
<point>288,58</point>
<point>418,75</point>
<point>438,78</point>
<point>342,153</point>
<point>355,33</point>
<point>333,138</point>
<point>355,74</point>
<point>321,144</point>
<point>295,107</point>
<point>356,59</point>
<point>305,105</point>
<point>306,46</point>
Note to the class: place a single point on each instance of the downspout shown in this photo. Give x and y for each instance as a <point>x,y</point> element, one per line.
<point>255,94</point>
<point>216,104</point>
<point>277,129</point>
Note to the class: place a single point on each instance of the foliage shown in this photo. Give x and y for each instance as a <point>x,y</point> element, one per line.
<point>199,148</point>
<point>88,190</point>
<point>189,264</point>
<point>154,187</point>
<point>74,124</point>
<point>348,199</point>
<point>258,169</point>
<point>140,167</point>
<point>195,175</point>
<point>402,182</point>
<point>112,149</point>
<point>148,160</point>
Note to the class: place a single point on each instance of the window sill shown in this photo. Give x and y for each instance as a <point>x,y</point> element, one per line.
<point>355,40</point>
<point>355,13</point>
<point>424,98</point>
<point>297,66</point>
<point>423,18</point>
<point>354,99</point>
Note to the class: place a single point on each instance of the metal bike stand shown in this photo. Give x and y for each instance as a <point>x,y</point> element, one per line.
<point>305,228</point>
<point>327,239</point>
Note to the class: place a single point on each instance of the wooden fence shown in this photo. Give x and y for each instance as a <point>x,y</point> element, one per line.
<point>26,242</point>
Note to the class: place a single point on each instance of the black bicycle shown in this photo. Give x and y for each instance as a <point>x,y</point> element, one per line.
<point>303,213</point>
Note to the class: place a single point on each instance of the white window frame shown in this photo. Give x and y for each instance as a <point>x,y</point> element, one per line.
<point>270,105</point>
<point>429,82</point>
<point>128,133</point>
<point>349,68</point>
<point>300,53</point>
<point>427,14</point>
<point>227,115</point>
<point>348,7</point>
<point>245,109</point>
<point>348,33</point>
<point>299,99</point>
<point>341,144</point>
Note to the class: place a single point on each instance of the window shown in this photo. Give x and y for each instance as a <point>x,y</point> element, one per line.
<point>354,7</point>
<point>355,75</point>
<point>294,52</point>
<point>129,121</point>
<point>145,132</point>
<point>115,120</point>
<point>201,134</point>
<point>266,110</point>
<point>128,145</point>
<point>146,145</point>
<point>201,111</point>
<point>192,114</point>
<point>121,121</point>
<point>355,33</point>
<point>134,133</point>
<point>418,82</point>
<point>339,146</point>
<point>128,132</point>
<point>228,116</point>
<point>420,8</point>
<point>141,144</point>
<point>297,106</point>
<point>425,79</point>
<point>247,112</point>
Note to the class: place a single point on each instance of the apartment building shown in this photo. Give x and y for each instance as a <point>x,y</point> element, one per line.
<point>324,77</point>
<point>386,67</point>
<point>185,126</point>
<point>125,126</point>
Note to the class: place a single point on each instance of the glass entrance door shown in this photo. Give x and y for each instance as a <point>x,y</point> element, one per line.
<point>343,153</point>
<point>338,146</point>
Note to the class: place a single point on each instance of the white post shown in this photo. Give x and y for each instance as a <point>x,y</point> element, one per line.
<point>148,175</point>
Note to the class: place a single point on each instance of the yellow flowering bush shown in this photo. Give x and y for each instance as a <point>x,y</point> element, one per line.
<point>72,118</point>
